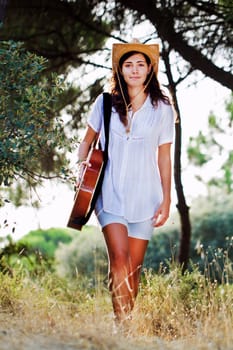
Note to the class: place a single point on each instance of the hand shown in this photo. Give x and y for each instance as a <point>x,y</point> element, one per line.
<point>81,168</point>
<point>161,215</point>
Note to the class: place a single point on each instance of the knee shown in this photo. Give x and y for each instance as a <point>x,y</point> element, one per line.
<point>119,261</point>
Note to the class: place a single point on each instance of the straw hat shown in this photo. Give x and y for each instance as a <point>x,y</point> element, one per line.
<point>152,51</point>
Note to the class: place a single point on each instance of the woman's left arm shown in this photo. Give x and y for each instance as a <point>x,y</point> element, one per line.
<point>164,164</point>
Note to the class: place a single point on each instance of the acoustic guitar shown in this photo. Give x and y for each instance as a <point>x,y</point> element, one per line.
<point>86,190</point>
<point>92,177</point>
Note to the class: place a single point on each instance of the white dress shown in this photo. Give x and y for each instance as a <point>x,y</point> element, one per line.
<point>132,185</point>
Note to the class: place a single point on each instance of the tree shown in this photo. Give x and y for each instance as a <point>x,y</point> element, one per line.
<point>199,31</point>
<point>183,209</point>
<point>72,33</point>
<point>68,34</point>
<point>28,133</point>
<point>43,28</point>
<point>215,144</point>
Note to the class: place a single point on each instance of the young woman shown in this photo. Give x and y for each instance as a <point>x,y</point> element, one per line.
<point>135,195</point>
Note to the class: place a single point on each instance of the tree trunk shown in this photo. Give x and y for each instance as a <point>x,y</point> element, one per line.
<point>182,207</point>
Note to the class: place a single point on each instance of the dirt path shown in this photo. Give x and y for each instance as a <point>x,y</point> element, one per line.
<point>16,339</point>
<point>15,335</point>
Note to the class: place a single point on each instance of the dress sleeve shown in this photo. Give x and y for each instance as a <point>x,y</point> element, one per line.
<point>95,117</point>
<point>167,125</point>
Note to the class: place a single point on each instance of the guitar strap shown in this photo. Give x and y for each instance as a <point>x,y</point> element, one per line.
<point>107,106</point>
<point>107,115</point>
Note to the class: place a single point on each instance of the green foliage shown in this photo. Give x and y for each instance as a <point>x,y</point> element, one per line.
<point>34,252</point>
<point>229,108</point>
<point>62,33</point>
<point>85,255</point>
<point>196,149</point>
<point>68,34</point>
<point>162,249</point>
<point>211,245</point>
<point>19,256</point>
<point>47,241</point>
<point>204,147</point>
<point>227,9</point>
<point>29,134</point>
<point>73,254</point>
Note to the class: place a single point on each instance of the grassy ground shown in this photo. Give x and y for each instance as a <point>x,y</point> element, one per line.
<point>172,312</point>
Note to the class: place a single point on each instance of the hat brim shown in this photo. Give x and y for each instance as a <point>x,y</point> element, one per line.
<point>152,51</point>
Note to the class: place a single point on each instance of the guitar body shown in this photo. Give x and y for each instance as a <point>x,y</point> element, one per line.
<point>86,189</point>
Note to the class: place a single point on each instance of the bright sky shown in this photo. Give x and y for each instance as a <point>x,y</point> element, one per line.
<point>56,200</point>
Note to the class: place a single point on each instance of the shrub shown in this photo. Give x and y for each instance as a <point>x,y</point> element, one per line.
<point>47,241</point>
<point>211,241</point>
<point>85,255</point>
<point>34,252</point>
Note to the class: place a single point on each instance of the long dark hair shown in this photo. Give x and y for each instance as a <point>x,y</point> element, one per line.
<point>118,83</point>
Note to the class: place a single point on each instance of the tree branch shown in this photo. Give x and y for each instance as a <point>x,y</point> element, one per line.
<point>163,19</point>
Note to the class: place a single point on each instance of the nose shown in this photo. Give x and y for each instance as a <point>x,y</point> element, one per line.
<point>134,68</point>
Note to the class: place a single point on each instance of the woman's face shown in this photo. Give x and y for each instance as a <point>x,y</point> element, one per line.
<point>135,70</point>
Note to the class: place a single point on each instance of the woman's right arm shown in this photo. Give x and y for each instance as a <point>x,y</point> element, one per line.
<point>85,145</point>
<point>83,151</point>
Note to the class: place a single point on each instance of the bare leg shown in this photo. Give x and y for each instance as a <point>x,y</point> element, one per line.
<point>116,238</point>
<point>137,248</point>
<point>125,259</point>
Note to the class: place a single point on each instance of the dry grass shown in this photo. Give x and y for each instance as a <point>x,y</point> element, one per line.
<point>172,312</point>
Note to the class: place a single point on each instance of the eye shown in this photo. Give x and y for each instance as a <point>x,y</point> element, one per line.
<point>126,65</point>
